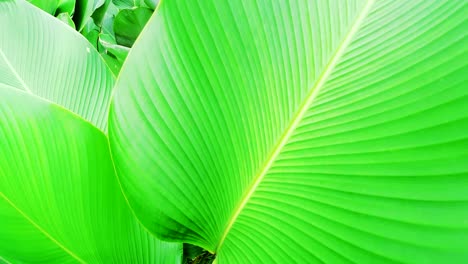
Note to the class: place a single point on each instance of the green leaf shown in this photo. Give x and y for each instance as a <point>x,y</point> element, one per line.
<point>152,3</point>
<point>109,43</point>
<point>65,18</point>
<point>191,252</point>
<point>100,13</point>
<point>129,23</point>
<point>129,4</point>
<point>41,55</point>
<point>49,6</point>
<point>66,6</point>
<point>299,131</point>
<point>83,11</point>
<point>91,32</point>
<point>113,63</point>
<point>123,4</point>
<point>60,201</point>
<point>108,20</point>
<point>114,54</point>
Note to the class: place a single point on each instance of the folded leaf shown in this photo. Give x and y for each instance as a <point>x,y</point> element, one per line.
<point>109,43</point>
<point>65,18</point>
<point>84,10</point>
<point>128,24</point>
<point>60,201</point>
<point>299,131</point>
<point>42,55</point>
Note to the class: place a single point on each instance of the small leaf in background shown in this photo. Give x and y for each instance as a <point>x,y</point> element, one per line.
<point>83,11</point>
<point>112,63</point>
<point>108,42</point>
<point>108,20</point>
<point>50,6</point>
<point>129,4</point>
<point>152,3</point>
<point>129,23</point>
<point>66,6</point>
<point>91,32</point>
<point>113,54</point>
<point>100,13</point>
<point>124,4</point>
<point>191,251</point>
<point>65,18</point>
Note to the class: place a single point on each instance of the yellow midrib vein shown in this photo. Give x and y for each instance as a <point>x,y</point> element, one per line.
<point>298,117</point>
<point>41,230</point>
<point>7,61</point>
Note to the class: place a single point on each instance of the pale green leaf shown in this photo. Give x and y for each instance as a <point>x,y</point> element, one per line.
<point>152,3</point>
<point>65,18</point>
<point>60,201</point>
<point>42,56</point>
<point>109,43</point>
<point>129,4</point>
<point>124,4</point>
<point>300,131</point>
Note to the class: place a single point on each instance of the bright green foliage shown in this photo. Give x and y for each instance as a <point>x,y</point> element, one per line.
<point>299,131</point>
<point>50,6</point>
<point>41,55</point>
<point>96,20</point>
<point>60,201</point>
<point>129,23</point>
<point>66,6</point>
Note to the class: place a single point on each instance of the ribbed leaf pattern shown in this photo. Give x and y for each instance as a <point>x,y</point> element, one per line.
<point>60,198</point>
<point>301,131</point>
<point>44,56</point>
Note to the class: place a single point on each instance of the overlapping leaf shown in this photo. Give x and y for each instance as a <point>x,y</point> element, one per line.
<point>300,131</point>
<point>40,55</point>
<point>60,201</point>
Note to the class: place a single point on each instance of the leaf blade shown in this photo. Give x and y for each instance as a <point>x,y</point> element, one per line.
<point>221,87</point>
<point>66,189</point>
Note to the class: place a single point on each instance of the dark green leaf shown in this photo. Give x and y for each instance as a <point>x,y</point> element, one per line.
<point>129,23</point>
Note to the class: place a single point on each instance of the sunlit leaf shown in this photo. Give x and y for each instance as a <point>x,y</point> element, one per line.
<point>299,131</point>
<point>60,201</point>
<point>41,55</point>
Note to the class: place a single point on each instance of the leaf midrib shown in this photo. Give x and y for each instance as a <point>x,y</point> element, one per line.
<point>298,117</point>
<point>29,91</point>
<point>38,227</point>
<point>13,70</point>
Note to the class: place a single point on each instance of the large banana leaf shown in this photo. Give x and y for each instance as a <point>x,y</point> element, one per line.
<point>41,55</point>
<point>300,131</point>
<point>60,201</point>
